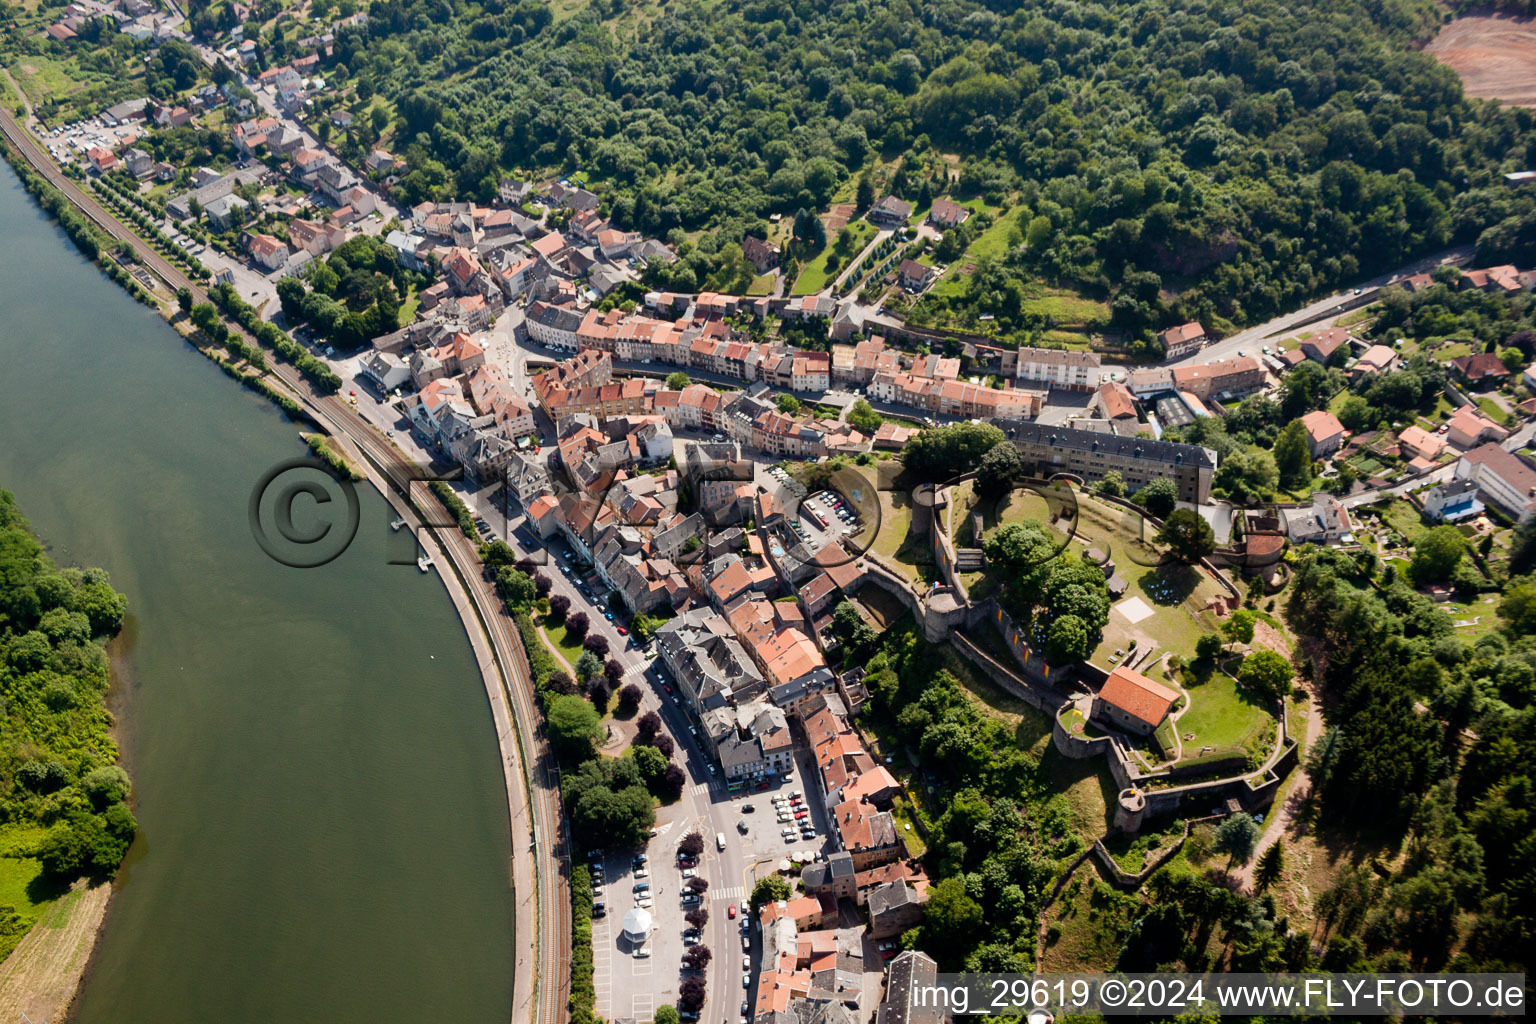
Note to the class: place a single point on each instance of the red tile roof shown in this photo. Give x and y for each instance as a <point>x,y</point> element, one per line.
<point>1137,696</point>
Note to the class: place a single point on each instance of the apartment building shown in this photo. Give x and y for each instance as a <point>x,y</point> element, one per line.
<point>1224,377</point>
<point>1089,454</point>
<point>1059,368</point>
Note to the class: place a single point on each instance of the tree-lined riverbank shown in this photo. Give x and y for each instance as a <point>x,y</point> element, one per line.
<point>324,827</point>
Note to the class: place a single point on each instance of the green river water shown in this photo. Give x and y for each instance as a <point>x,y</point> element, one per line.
<point>323,824</point>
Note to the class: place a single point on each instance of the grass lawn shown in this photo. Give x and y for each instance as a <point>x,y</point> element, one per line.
<point>1064,307</point>
<point>1481,616</point>
<point>22,883</point>
<point>1031,728</point>
<point>762,284</point>
<point>408,307</point>
<point>8,95</point>
<point>568,646</point>
<point>1177,596</point>
<point>902,812</point>
<point>40,77</point>
<point>1403,518</point>
<point>895,518</point>
<point>1089,788</point>
<point>1087,925</point>
<point>814,276</point>
<point>1493,410</point>
<point>1453,350</point>
<point>1072,339</point>
<point>1017,507</point>
<point>1222,717</point>
<point>993,242</point>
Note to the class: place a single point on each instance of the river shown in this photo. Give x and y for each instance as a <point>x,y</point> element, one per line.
<point>323,825</point>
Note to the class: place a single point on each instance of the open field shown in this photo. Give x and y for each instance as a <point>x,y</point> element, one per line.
<point>1494,56</point>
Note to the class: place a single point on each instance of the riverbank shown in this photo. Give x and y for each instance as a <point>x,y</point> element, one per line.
<point>44,971</point>
<point>540,922</point>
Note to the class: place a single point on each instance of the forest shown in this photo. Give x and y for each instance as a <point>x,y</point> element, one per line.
<point>1429,744</point>
<point>1213,160</point>
<point>63,797</point>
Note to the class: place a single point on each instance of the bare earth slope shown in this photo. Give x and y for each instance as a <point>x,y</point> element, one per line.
<point>1495,57</point>
<point>40,976</point>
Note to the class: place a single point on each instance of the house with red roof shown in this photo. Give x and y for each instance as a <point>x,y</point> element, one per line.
<point>1325,434</point>
<point>1133,702</point>
<point>1481,369</point>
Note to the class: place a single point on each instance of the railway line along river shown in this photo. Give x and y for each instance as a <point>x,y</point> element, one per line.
<point>323,823</point>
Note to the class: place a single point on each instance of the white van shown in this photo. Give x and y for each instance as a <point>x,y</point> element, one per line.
<point>720,840</point>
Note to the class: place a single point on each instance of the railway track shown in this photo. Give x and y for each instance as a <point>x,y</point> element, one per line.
<point>547,975</point>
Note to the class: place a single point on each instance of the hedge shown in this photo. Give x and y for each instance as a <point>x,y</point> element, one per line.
<point>461,513</point>
<point>583,987</point>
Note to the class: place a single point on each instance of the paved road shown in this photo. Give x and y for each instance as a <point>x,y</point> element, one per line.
<point>1254,338</point>
<point>541,981</point>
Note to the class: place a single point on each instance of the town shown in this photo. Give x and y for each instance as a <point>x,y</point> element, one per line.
<point>733,510</point>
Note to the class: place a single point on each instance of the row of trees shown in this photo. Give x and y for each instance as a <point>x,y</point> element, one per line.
<point>610,801</point>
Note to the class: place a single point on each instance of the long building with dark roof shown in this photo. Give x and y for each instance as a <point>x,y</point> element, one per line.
<point>1047,450</point>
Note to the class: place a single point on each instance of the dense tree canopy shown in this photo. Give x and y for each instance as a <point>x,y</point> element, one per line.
<point>58,770</point>
<point>1258,153</point>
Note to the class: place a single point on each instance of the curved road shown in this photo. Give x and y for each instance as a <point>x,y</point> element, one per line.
<point>529,767</point>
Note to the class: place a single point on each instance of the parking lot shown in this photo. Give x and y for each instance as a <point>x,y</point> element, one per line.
<point>630,986</point>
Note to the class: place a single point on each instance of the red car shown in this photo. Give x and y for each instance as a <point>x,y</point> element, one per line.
<point>622,630</point>
<point>664,686</point>
<point>730,911</point>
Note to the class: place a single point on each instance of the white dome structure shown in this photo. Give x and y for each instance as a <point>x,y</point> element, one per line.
<point>638,925</point>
